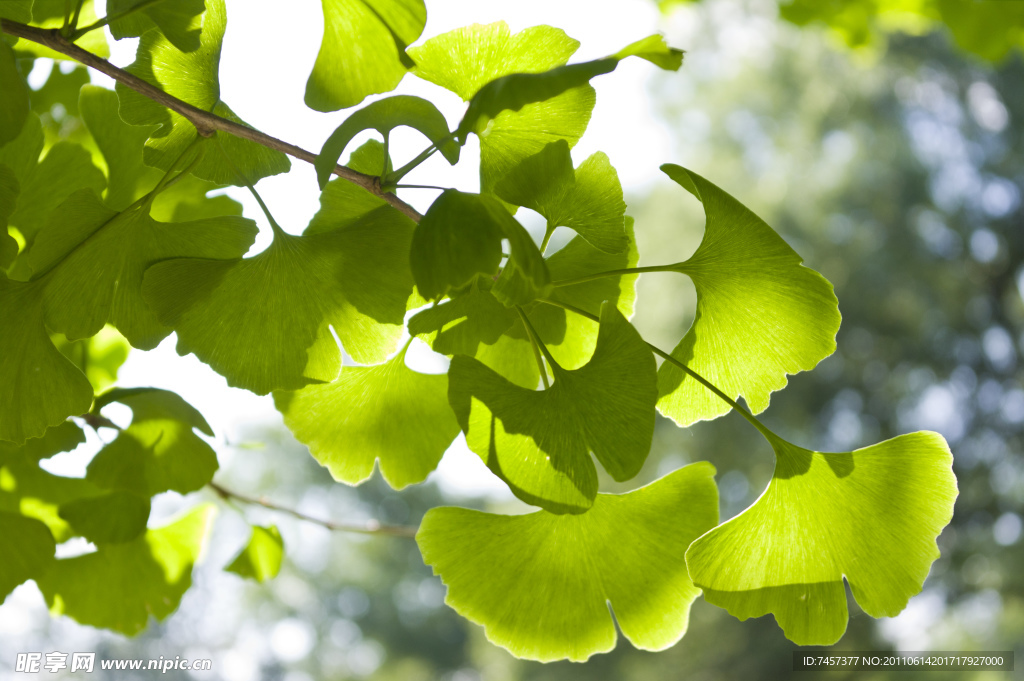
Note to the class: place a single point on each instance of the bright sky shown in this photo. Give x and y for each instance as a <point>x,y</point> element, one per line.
<point>266,59</point>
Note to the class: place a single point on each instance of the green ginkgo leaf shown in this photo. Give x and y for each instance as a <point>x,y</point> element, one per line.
<point>467,59</point>
<point>111,518</point>
<point>178,20</point>
<point>541,584</point>
<point>39,387</point>
<point>99,357</point>
<point>514,91</point>
<point>16,10</point>
<point>60,438</point>
<point>761,314</point>
<point>464,322</point>
<point>186,200</point>
<point>363,50</point>
<point>128,178</point>
<point>539,442</point>
<point>46,183</point>
<point>159,450</point>
<point>260,559</point>
<point>460,238</point>
<point>15,103</point>
<point>264,322</point>
<point>9,189</point>
<point>151,573</point>
<point>94,258</point>
<point>385,115</point>
<point>27,489</point>
<point>871,516</point>
<point>587,199</point>
<point>193,77</point>
<point>28,549</point>
<point>386,413</point>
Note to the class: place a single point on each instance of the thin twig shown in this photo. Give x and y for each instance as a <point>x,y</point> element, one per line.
<point>206,123</point>
<point>370,527</point>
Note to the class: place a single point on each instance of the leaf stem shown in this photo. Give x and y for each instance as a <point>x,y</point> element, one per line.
<point>76,34</point>
<point>248,185</point>
<point>370,527</point>
<point>205,122</point>
<point>754,421</point>
<point>397,175</point>
<point>74,17</point>
<point>615,273</point>
<point>537,346</point>
<point>547,237</point>
<point>420,186</point>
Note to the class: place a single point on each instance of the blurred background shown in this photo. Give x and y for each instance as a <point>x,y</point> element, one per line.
<point>885,148</point>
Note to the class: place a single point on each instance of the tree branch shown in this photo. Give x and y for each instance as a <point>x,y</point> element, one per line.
<point>371,526</point>
<point>205,122</point>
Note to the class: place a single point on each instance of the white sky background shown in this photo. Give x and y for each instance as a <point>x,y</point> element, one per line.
<point>267,56</point>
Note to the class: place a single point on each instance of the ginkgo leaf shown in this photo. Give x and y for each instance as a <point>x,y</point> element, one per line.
<point>541,584</point>
<point>94,259</point>
<point>386,413</point>
<point>60,438</point>
<point>194,78</point>
<point>113,518</point>
<point>15,103</point>
<point>28,549</point>
<point>27,489</point>
<point>363,50</point>
<point>151,574</point>
<point>587,199</point>
<point>464,322</point>
<point>39,387</point>
<point>159,451</point>
<point>16,10</point>
<point>760,313</point>
<point>178,20</point>
<point>367,158</point>
<point>385,115</point>
<point>187,200</point>
<point>45,184</point>
<point>539,442</point>
<point>128,178</point>
<point>466,59</point>
<point>260,559</point>
<point>460,238</point>
<point>871,516</point>
<point>99,357</point>
<point>514,91</point>
<point>265,322</point>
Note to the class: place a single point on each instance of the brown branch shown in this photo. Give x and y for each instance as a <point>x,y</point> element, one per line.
<point>205,122</point>
<point>370,527</point>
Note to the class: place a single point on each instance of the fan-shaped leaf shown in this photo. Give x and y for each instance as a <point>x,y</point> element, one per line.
<point>387,413</point>
<point>385,115</point>
<point>61,438</point>
<point>265,322</point>
<point>113,518</point>
<point>760,314</point>
<point>363,50</point>
<point>28,549</point>
<point>261,557</point>
<point>871,516</point>
<point>541,584</point>
<point>27,489</point>
<point>14,105</point>
<point>151,572</point>
<point>539,442</point>
<point>178,20</point>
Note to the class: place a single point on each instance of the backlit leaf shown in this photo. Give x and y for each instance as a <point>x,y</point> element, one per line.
<point>95,259</point>
<point>760,314</point>
<point>50,14</point>
<point>539,442</point>
<point>39,387</point>
<point>151,573</point>
<point>386,413</point>
<point>27,489</point>
<point>159,450</point>
<point>265,322</point>
<point>871,516</point>
<point>113,518</point>
<point>28,549</point>
<point>178,20</point>
<point>541,584</point>
<point>260,559</point>
<point>363,50</point>
<point>385,115</point>
<point>60,438</point>
<point>14,105</point>
<point>99,357</point>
